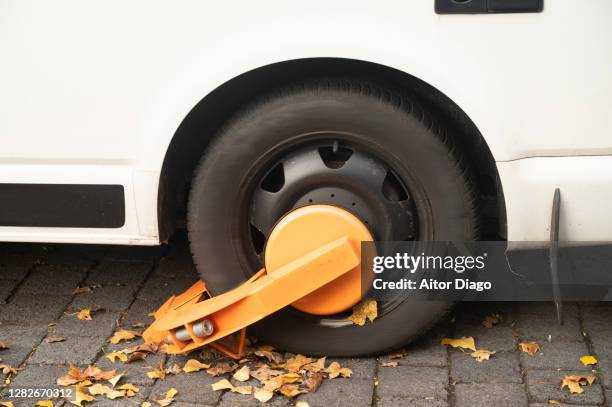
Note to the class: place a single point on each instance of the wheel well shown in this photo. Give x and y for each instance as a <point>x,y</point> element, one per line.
<point>201,124</point>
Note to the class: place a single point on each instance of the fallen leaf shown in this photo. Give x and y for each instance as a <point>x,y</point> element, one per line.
<point>268,353</point>
<point>82,290</point>
<point>262,395</point>
<point>574,382</point>
<point>246,390</point>
<point>242,374</point>
<point>136,356</point>
<point>481,355</point>
<point>551,401</point>
<point>6,369</point>
<point>397,355</point>
<point>53,339</point>
<point>115,379</point>
<point>123,335</point>
<point>313,382</point>
<point>4,345</point>
<point>222,384</point>
<point>366,310</point>
<point>220,368</point>
<point>169,397</point>
<point>85,315</point>
<point>273,383</point>
<point>334,370</point>
<point>390,364</point>
<point>294,364</point>
<point>80,397</point>
<point>290,390</point>
<point>145,404</point>
<point>194,365</point>
<point>302,403</point>
<point>139,325</point>
<point>465,342</point>
<point>490,320</point>
<point>117,355</point>
<point>315,367</point>
<point>130,389</point>
<point>6,404</point>
<point>156,374</point>
<point>588,360</point>
<point>44,403</point>
<point>529,347</point>
<point>98,389</point>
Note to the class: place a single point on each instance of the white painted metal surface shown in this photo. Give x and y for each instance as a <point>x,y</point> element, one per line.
<point>94,91</point>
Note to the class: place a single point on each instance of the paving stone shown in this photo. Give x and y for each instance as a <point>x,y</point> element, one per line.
<point>62,281</point>
<point>103,324</point>
<point>134,253</point>
<point>180,404</point>
<point>111,298</point>
<point>498,338</point>
<point>544,385</point>
<point>139,311</point>
<point>363,368</point>
<point>609,398</point>
<point>64,262</point>
<point>556,355</point>
<point>34,308</point>
<point>491,394</point>
<point>192,388</point>
<point>230,399</point>
<point>160,287</point>
<point>503,367</point>
<point>540,327</point>
<point>38,376</point>
<point>6,288</point>
<point>22,339</point>
<point>597,322</point>
<point>342,392</point>
<point>423,352</point>
<point>120,272</point>
<point>409,402</point>
<point>15,266</point>
<point>77,350</point>
<point>136,400</point>
<point>560,405</point>
<point>424,382</point>
<point>604,362</point>
<point>473,313</point>
<point>546,308</point>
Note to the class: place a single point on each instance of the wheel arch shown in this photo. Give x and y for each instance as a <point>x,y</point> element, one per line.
<point>204,120</point>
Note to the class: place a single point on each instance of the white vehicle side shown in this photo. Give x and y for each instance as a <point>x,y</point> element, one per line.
<point>94,92</point>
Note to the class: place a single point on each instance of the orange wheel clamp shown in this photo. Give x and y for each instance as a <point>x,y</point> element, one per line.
<point>312,260</point>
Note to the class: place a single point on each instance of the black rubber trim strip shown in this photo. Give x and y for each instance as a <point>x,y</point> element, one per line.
<point>488,6</point>
<point>62,205</point>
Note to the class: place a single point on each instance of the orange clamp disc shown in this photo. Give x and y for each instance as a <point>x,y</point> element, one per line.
<point>302,231</point>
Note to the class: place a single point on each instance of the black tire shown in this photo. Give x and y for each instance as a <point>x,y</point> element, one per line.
<point>400,133</point>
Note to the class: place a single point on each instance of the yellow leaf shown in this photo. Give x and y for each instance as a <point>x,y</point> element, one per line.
<point>290,390</point>
<point>315,367</point>
<point>80,397</point>
<point>44,403</point>
<point>366,310</point>
<point>243,390</point>
<point>390,364</point>
<point>334,370</point>
<point>117,355</point>
<point>194,365</point>
<point>169,397</point>
<point>123,335</point>
<point>222,384</point>
<point>574,382</point>
<point>242,374</point>
<point>551,401</point>
<point>145,404</point>
<point>481,354</point>
<point>6,404</point>
<point>85,315</point>
<point>262,394</point>
<point>3,345</point>
<point>115,394</point>
<point>588,360</point>
<point>302,403</point>
<point>115,379</point>
<point>129,387</point>
<point>529,348</point>
<point>98,389</point>
<point>295,363</point>
<point>465,342</point>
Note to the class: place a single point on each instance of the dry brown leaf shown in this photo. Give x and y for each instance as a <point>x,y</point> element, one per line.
<point>6,369</point>
<point>390,364</point>
<point>44,403</point>
<point>137,356</point>
<point>98,389</point>
<point>168,397</point>
<point>246,390</point>
<point>292,378</point>
<point>465,342</point>
<point>529,348</point>
<point>313,382</point>
<point>302,403</point>
<point>85,314</point>
<point>145,404</point>
<point>174,369</point>
<point>575,382</point>
<point>295,364</point>
<point>220,368</point>
<point>273,383</point>
<point>139,325</point>
<point>588,360</point>
<point>156,373</point>
<point>4,345</point>
<point>551,401</point>
<point>315,367</point>
<point>82,290</point>
<point>366,310</point>
<point>490,320</point>
<point>242,374</point>
<point>262,394</point>
<point>6,404</point>
<point>397,355</point>
<point>123,335</point>
<point>194,365</point>
<point>53,339</point>
<point>268,353</point>
<point>115,379</point>
<point>117,355</point>
<point>290,390</point>
<point>81,397</point>
<point>334,370</point>
<point>222,384</point>
<point>482,354</point>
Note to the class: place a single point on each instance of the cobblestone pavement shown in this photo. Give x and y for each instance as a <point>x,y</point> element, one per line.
<point>36,296</point>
